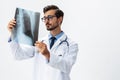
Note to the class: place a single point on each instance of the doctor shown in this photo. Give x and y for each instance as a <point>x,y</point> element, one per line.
<point>55,54</point>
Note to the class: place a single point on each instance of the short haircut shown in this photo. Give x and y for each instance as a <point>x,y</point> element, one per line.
<point>58,13</point>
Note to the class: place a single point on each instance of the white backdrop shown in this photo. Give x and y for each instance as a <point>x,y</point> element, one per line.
<point>94,24</point>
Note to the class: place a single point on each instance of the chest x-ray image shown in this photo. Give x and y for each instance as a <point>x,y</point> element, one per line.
<point>27,26</point>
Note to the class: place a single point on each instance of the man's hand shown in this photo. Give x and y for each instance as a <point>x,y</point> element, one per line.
<point>11,25</point>
<point>42,48</point>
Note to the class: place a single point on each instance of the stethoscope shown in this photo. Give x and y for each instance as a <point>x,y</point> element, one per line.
<point>64,41</point>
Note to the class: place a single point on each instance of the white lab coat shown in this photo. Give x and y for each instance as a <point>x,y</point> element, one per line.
<point>62,58</point>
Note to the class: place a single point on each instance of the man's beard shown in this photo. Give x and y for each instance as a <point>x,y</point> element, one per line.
<point>49,28</point>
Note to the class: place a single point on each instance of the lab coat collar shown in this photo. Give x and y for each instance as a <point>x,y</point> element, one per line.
<point>63,37</point>
<point>46,41</point>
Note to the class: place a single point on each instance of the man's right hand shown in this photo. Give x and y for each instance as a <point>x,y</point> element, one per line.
<point>11,25</point>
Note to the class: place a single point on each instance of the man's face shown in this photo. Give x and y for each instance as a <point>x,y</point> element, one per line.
<point>51,20</point>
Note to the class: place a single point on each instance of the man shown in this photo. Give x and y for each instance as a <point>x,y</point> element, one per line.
<point>55,54</point>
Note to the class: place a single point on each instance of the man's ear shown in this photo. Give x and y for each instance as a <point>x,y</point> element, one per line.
<point>60,20</point>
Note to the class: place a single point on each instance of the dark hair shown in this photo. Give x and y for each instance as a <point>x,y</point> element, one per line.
<point>58,13</point>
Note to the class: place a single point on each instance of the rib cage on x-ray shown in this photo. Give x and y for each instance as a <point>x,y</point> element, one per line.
<point>27,26</point>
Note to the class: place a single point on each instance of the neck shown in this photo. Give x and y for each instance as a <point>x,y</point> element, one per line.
<point>55,32</point>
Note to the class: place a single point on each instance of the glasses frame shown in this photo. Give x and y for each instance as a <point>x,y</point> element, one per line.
<point>49,17</point>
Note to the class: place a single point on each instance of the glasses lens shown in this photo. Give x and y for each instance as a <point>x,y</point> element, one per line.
<point>50,17</point>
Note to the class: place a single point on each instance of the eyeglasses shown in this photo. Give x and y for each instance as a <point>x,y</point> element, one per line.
<point>49,17</point>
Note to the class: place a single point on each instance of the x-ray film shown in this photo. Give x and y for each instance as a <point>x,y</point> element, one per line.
<point>27,26</point>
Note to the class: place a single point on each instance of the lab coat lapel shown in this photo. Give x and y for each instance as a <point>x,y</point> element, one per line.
<point>58,41</point>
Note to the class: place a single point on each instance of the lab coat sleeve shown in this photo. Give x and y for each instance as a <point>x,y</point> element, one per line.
<point>21,51</point>
<point>64,63</point>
